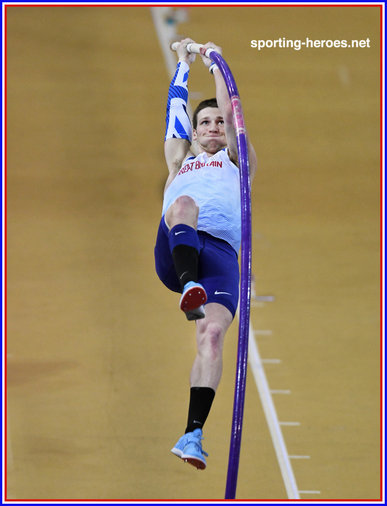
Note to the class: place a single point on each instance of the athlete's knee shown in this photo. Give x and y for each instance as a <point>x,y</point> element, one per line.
<point>183,210</point>
<point>186,204</point>
<point>210,340</point>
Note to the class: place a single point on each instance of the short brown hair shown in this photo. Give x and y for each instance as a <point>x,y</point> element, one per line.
<point>210,102</point>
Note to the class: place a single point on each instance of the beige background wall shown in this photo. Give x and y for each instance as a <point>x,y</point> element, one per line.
<point>98,353</point>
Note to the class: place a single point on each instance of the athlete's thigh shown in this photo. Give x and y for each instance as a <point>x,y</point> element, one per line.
<point>219,273</point>
<point>163,259</point>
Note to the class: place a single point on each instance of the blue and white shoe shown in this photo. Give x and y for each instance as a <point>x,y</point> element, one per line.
<point>192,300</point>
<point>189,449</point>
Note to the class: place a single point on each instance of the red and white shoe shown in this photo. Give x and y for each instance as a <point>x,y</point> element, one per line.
<point>196,314</point>
<point>194,296</point>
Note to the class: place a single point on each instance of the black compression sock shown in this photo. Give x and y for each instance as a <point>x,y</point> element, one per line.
<point>184,246</point>
<point>186,261</point>
<point>199,407</point>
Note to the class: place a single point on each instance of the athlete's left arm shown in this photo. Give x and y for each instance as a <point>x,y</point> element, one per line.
<point>225,108</point>
<point>224,104</point>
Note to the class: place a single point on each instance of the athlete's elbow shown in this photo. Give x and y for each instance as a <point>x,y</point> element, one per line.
<point>233,154</point>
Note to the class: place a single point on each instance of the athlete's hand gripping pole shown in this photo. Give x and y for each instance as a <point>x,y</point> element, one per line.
<point>245,291</point>
<point>193,47</point>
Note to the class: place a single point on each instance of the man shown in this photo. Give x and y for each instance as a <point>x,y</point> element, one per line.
<point>199,236</point>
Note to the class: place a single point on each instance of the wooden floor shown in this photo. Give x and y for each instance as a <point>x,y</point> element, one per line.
<point>98,352</point>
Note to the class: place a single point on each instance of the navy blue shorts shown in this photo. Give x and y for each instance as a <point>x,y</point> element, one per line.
<point>218,268</point>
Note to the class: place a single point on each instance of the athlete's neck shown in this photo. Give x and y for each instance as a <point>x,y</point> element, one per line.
<point>211,152</point>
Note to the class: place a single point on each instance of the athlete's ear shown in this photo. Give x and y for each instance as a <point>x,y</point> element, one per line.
<point>194,135</point>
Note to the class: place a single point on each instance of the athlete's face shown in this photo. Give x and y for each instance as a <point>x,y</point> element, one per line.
<point>209,132</point>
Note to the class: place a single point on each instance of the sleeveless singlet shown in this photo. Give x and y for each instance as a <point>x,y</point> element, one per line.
<point>213,182</point>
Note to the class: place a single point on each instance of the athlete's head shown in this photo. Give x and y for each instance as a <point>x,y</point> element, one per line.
<point>210,102</point>
<point>208,126</point>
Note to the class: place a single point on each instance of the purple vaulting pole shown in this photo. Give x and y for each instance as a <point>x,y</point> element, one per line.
<point>245,287</point>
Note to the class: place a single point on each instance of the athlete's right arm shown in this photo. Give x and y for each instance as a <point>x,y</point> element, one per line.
<point>178,133</point>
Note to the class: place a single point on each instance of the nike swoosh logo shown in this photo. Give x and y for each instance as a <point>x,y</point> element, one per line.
<point>221,293</point>
<point>181,232</point>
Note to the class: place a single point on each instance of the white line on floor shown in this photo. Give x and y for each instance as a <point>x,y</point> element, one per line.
<point>272,418</point>
<point>271,361</point>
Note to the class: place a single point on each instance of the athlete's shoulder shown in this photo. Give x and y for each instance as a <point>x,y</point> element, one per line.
<point>225,155</point>
<point>189,156</point>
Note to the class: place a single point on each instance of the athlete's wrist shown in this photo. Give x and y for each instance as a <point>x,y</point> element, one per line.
<point>184,60</point>
<point>212,68</point>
